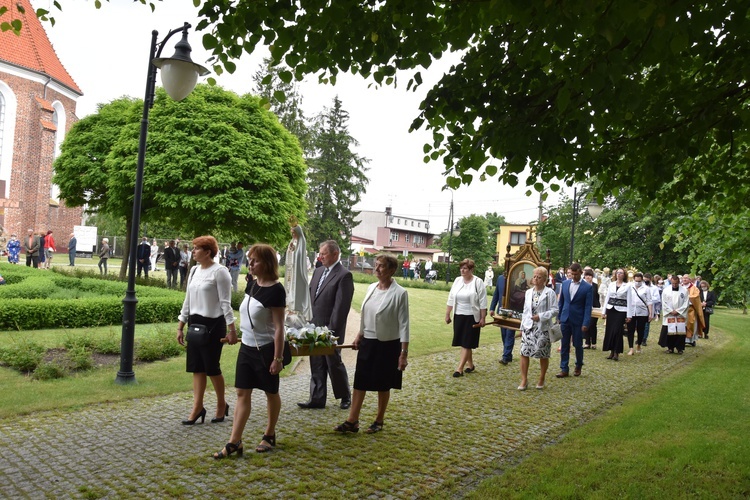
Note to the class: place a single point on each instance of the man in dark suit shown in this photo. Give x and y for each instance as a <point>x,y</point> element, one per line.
<point>331,291</point>
<point>72,244</point>
<point>576,300</point>
<point>171,264</point>
<point>143,254</point>
<point>32,245</point>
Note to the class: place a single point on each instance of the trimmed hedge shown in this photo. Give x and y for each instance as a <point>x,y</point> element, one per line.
<point>76,302</point>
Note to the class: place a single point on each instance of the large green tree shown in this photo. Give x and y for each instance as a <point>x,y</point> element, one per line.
<point>470,241</point>
<point>337,179</point>
<point>217,163</point>
<point>274,84</point>
<point>629,232</point>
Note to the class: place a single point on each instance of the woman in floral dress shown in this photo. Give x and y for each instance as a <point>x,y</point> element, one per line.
<point>539,308</point>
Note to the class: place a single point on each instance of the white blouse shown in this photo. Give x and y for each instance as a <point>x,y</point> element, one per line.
<point>619,294</point>
<point>209,294</point>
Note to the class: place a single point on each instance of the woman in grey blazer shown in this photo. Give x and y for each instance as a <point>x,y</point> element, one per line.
<point>382,342</point>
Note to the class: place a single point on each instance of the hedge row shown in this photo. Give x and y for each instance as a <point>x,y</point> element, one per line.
<point>34,314</point>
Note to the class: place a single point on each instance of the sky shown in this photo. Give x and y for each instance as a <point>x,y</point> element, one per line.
<point>106,52</point>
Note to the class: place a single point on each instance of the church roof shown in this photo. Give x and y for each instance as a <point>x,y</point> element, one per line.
<point>31,49</point>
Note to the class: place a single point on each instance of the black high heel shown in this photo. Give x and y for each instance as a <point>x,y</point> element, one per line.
<point>229,448</point>
<point>201,415</point>
<point>221,419</point>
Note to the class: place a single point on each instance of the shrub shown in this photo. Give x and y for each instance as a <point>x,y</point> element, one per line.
<point>80,358</point>
<point>25,356</point>
<point>162,345</point>
<point>85,341</point>
<point>110,344</point>
<point>49,371</point>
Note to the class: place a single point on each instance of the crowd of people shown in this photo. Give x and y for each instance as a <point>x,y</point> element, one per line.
<point>627,301</point>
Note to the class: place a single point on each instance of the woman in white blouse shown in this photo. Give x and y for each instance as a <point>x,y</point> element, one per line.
<point>468,297</point>
<point>615,310</point>
<point>382,342</point>
<point>207,302</point>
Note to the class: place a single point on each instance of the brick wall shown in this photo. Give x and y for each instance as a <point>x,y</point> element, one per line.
<point>33,155</point>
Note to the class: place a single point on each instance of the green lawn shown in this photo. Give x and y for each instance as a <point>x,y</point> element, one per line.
<point>686,437</point>
<point>20,394</point>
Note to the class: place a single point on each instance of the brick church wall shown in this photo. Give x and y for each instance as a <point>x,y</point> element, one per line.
<point>33,155</point>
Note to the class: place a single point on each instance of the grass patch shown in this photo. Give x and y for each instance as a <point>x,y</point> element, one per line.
<point>685,437</point>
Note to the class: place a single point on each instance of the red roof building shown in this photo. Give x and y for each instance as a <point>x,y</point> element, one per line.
<point>37,108</point>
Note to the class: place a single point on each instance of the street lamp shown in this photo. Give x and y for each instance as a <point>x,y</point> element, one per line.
<point>179,75</point>
<point>594,209</point>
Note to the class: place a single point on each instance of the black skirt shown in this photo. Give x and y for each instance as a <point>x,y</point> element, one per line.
<point>614,331</point>
<point>464,333</point>
<point>252,369</point>
<point>377,365</point>
<point>206,359</point>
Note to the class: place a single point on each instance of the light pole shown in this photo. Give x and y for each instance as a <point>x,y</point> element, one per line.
<point>179,74</point>
<point>594,209</point>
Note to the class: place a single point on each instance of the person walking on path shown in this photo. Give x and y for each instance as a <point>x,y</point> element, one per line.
<point>72,244</point>
<point>103,256</point>
<point>331,292</point>
<point>576,301</point>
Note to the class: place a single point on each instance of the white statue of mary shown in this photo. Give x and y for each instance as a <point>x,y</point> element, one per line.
<point>298,309</point>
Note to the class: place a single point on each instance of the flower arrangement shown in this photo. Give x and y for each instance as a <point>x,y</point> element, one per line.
<point>310,336</point>
<point>509,313</point>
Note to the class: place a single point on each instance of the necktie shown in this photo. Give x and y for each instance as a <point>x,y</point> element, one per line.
<point>320,283</point>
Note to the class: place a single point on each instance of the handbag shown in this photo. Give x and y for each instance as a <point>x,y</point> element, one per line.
<point>197,335</point>
<point>708,310</point>
<point>555,333</point>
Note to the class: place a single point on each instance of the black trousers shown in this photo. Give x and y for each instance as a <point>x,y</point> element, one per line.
<point>321,368</point>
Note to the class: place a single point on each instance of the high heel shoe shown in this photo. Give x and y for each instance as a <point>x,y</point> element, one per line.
<point>228,449</point>
<point>217,420</point>
<point>201,415</point>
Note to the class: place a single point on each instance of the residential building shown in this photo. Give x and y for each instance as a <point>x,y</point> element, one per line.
<point>511,234</point>
<point>391,233</point>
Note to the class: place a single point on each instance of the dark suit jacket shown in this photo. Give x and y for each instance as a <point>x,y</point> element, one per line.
<point>144,251</point>
<point>331,307</point>
<point>578,310</point>
<point>171,257</point>
<point>34,248</point>
<point>497,297</point>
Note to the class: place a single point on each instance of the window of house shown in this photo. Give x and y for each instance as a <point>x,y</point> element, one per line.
<point>419,224</point>
<point>517,238</point>
<point>406,238</point>
<point>398,221</point>
<point>394,235</point>
<point>412,223</point>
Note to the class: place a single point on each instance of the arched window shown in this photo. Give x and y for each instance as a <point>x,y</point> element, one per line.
<point>7,131</point>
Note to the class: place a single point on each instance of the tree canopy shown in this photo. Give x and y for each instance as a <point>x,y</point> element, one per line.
<point>627,233</point>
<point>650,94</point>
<point>217,163</point>
<point>337,178</point>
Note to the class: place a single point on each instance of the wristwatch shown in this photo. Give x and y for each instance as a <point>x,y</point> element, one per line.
<point>280,360</point>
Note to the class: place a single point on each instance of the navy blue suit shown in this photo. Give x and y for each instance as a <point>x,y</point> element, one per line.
<point>574,314</point>
<point>508,335</point>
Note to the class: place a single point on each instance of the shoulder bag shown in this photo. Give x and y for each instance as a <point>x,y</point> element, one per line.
<point>197,334</point>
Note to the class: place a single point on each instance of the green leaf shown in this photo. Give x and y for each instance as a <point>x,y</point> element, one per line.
<point>279,95</point>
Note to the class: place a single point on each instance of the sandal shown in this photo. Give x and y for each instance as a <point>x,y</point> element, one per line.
<point>375,427</point>
<point>264,448</point>
<point>228,449</point>
<point>347,427</point>
<point>469,370</point>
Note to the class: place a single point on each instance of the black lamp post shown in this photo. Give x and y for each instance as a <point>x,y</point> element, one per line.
<point>595,210</point>
<point>179,74</point>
